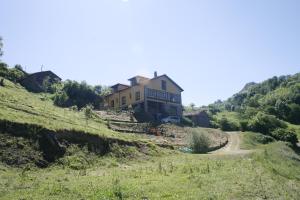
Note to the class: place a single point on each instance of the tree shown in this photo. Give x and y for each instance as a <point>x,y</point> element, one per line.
<point>61,98</point>
<point>15,75</point>
<point>265,124</point>
<point>105,91</point>
<point>88,112</point>
<point>294,113</point>
<point>19,67</point>
<point>192,105</point>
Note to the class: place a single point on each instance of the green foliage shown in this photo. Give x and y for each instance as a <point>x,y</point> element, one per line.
<point>13,74</point>
<point>243,125</point>
<point>200,142</point>
<point>264,123</point>
<point>214,108</point>
<point>82,94</point>
<point>293,115</point>
<point>141,115</point>
<point>186,121</point>
<point>88,112</point>
<point>61,99</point>
<point>285,135</point>
<point>278,96</point>
<point>252,140</point>
<point>4,71</point>
<point>227,125</point>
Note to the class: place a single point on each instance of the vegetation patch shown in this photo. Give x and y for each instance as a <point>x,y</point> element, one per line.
<point>20,152</point>
<point>200,142</point>
<point>252,140</point>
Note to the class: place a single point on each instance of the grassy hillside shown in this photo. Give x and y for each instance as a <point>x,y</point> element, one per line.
<point>272,172</point>
<point>35,132</point>
<point>19,105</point>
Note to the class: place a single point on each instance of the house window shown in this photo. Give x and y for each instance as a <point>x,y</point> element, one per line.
<point>123,101</point>
<point>133,82</point>
<point>130,96</point>
<point>112,103</point>
<point>137,96</point>
<point>163,85</point>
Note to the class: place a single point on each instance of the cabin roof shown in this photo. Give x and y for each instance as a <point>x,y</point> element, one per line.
<point>138,76</point>
<point>116,85</point>
<point>44,73</point>
<point>164,75</point>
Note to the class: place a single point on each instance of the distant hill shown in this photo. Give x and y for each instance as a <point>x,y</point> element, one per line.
<point>279,96</point>
<point>276,98</point>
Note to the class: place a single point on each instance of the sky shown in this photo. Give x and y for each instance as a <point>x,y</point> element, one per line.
<point>211,48</point>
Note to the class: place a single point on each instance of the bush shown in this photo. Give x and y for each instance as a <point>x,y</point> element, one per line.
<point>60,99</point>
<point>294,113</point>
<point>186,121</point>
<point>263,139</point>
<point>285,135</point>
<point>265,124</point>
<point>200,142</point>
<point>82,94</point>
<point>243,125</point>
<point>141,115</point>
<point>12,74</point>
<point>88,112</point>
<point>4,70</point>
<point>226,125</point>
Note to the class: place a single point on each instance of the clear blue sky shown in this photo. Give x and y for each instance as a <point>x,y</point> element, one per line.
<point>211,48</point>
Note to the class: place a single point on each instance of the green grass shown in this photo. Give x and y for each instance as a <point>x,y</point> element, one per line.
<point>230,116</point>
<point>271,173</point>
<point>253,140</point>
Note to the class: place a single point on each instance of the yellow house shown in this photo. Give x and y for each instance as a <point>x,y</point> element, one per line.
<point>159,96</point>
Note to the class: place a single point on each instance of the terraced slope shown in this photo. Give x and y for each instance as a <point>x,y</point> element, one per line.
<point>20,106</point>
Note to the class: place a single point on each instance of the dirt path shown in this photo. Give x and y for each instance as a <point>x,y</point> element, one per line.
<point>233,146</point>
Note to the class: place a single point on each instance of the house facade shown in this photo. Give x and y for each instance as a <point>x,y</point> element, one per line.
<point>159,96</point>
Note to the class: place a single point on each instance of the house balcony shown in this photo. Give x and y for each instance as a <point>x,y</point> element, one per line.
<point>162,96</point>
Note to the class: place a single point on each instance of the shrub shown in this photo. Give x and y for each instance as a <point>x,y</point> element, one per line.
<point>12,74</point>
<point>4,70</point>
<point>264,123</point>
<point>200,142</point>
<point>186,121</point>
<point>60,99</point>
<point>226,125</point>
<point>82,94</point>
<point>88,112</point>
<point>74,108</point>
<point>243,125</point>
<point>263,139</point>
<point>141,115</point>
<point>285,135</point>
<point>294,113</point>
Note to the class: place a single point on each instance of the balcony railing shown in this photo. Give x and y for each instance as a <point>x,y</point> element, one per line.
<point>163,95</point>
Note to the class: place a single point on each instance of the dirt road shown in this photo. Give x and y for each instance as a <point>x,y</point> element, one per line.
<point>233,145</point>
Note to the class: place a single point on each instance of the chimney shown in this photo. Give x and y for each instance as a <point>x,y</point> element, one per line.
<point>155,74</point>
